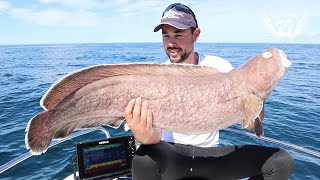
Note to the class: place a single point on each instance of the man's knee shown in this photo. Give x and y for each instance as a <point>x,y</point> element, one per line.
<point>143,163</point>
<point>285,162</point>
<point>281,165</point>
<point>143,167</point>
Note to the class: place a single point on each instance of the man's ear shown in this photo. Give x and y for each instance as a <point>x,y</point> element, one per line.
<point>196,34</point>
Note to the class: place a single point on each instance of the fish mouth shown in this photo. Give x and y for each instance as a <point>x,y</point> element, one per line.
<point>285,61</point>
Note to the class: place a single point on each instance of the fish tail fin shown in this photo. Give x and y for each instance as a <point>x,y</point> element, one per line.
<point>63,132</point>
<point>38,134</point>
<point>66,130</point>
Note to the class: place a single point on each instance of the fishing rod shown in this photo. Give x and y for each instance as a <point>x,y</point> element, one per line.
<point>275,141</point>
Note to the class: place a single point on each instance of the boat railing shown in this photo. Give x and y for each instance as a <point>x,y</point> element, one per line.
<point>274,141</point>
<point>28,154</point>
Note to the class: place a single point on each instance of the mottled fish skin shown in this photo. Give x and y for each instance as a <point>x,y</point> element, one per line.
<point>98,96</point>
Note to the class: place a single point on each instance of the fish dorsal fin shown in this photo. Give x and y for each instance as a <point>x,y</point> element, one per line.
<point>75,80</point>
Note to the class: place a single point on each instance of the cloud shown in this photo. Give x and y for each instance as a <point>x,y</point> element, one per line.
<point>84,4</point>
<point>140,7</point>
<point>53,17</point>
<point>79,13</point>
<point>4,6</point>
<point>123,6</point>
<point>315,36</point>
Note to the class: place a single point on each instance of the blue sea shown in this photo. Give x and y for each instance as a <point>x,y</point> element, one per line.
<point>292,112</point>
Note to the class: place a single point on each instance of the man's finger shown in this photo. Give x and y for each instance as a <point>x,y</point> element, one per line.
<point>128,111</point>
<point>149,119</point>
<point>136,116</point>
<point>144,111</point>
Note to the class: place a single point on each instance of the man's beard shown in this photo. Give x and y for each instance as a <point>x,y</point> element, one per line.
<point>182,58</point>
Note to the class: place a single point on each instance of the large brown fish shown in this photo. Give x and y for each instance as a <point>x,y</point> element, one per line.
<point>186,99</point>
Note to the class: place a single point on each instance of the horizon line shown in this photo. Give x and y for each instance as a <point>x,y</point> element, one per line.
<point>79,43</point>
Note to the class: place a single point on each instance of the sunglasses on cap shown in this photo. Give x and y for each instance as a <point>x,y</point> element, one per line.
<point>181,7</point>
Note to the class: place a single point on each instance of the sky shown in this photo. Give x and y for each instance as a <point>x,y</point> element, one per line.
<point>112,21</point>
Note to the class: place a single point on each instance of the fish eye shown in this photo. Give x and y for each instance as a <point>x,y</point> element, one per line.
<point>267,55</point>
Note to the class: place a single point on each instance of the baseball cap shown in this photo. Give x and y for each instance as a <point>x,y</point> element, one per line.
<point>179,16</point>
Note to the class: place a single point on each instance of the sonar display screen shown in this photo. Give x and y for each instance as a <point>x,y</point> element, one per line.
<point>104,157</point>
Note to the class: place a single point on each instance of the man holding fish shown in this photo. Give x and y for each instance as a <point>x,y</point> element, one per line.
<point>169,155</point>
<point>175,109</point>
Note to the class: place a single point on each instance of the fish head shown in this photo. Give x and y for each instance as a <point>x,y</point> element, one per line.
<point>265,70</point>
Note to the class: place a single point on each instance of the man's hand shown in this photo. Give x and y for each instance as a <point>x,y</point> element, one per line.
<point>139,119</point>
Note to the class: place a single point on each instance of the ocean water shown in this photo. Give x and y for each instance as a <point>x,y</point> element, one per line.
<point>292,112</point>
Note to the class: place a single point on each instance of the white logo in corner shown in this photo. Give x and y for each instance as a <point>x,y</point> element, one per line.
<point>172,14</point>
<point>285,27</point>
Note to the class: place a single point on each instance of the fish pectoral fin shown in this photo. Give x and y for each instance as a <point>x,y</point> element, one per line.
<point>258,128</point>
<point>252,107</point>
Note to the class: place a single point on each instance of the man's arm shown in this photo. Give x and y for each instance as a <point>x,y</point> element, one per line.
<point>139,119</point>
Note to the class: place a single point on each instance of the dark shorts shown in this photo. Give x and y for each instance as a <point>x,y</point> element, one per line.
<point>176,161</point>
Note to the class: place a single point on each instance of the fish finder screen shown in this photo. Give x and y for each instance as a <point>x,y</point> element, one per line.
<point>109,157</point>
<point>104,157</point>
